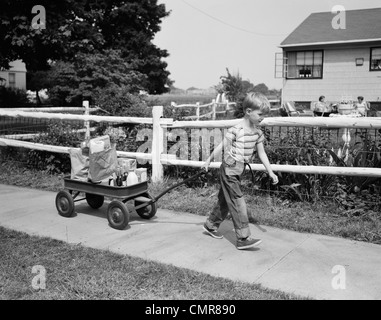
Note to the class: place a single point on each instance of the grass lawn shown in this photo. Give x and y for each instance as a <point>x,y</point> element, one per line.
<point>74,272</point>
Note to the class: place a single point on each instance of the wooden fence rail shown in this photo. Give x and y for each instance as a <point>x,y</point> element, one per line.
<point>212,114</point>
<point>51,109</point>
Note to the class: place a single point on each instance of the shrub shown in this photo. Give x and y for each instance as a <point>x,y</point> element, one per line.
<point>13,97</point>
<point>308,146</point>
<point>118,101</point>
<point>359,195</point>
<point>58,134</point>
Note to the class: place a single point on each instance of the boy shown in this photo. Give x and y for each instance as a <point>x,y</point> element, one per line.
<point>239,145</point>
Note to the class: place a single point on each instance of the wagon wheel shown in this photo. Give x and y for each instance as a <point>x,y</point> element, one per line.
<point>65,204</point>
<point>117,215</point>
<point>147,212</point>
<point>94,201</point>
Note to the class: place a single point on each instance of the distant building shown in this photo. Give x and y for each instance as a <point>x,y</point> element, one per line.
<point>318,59</point>
<point>15,77</point>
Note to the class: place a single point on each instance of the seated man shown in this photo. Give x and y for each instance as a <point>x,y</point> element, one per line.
<point>322,108</point>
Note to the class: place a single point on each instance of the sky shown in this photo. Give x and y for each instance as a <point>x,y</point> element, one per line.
<point>204,37</point>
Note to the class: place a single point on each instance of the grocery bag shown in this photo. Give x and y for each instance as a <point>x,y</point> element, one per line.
<point>79,164</point>
<point>102,164</point>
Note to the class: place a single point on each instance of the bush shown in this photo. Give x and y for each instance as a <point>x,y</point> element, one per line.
<point>310,147</point>
<point>57,134</point>
<point>118,101</point>
<point>13,97</point>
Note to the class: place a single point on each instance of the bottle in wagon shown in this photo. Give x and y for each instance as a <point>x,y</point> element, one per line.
<point>132,178</point>
<point>119,181</point>
<point>124,179</point>
<point>111,181</point>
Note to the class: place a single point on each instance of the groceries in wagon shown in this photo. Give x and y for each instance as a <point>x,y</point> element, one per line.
<point>141,174</point>
<point>103,160</point>
<point>127,174</point>
<point>97,162</point>
<point>127,164</point>
<point>79,164</point>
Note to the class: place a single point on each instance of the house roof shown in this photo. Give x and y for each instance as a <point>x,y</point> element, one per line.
<point>361,26</point>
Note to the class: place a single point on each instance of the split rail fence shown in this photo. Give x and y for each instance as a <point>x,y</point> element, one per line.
<point>164,130</point>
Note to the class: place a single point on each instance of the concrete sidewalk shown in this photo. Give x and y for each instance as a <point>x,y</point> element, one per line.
<point>292,262</point>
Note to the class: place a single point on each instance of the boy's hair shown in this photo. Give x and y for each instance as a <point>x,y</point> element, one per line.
<point>256,101</point>
<point>360,98</point>
<point>321,98</point>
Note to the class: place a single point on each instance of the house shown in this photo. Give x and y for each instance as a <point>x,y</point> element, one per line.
<point>320,59</point>
<point>15,77</point>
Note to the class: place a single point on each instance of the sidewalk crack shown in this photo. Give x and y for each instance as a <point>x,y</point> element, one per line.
<point>282,258</point>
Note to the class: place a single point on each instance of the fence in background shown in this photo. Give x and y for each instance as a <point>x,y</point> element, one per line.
<point>216,108</point>
<point>182,136</point>
<point>298,148</point>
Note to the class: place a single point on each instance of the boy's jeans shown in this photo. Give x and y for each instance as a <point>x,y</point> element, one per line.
<point>230,199</point>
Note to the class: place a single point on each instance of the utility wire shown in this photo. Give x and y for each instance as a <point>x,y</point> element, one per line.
<point>230,25</point>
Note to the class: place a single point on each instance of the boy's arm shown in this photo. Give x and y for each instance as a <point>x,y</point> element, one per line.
<point>265,160</point>
<point>216,152</point>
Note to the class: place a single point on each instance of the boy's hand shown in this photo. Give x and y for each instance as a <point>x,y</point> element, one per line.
<point>274,178</point>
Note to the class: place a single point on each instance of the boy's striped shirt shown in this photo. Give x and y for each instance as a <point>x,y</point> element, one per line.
<point>241,144</point>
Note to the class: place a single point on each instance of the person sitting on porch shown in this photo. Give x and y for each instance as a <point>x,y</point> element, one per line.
<point>361,106</point>
<point>322,108</point>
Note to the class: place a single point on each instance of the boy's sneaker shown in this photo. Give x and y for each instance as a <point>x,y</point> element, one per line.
<point>213,233</point>
<point>247,243</point>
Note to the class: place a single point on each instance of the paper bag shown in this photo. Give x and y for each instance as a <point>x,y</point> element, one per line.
<point>79,164</point>
<point>99,144</point>
<point>102,164</point>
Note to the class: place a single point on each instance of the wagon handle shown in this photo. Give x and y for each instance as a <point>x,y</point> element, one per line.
<point>178,184</point>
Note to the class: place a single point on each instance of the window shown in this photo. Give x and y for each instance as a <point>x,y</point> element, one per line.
<point>304,65</point>
<point>375,59</point>
<point>12,80</point>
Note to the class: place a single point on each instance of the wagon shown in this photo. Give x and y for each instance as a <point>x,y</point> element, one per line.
<point>117,211</point>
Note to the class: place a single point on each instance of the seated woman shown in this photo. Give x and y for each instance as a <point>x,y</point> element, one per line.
<point>361,106</point>
<point>322,108</point>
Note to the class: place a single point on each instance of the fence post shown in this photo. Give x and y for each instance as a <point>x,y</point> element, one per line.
<point>157,144</point>
<point>214,109</point>
<point>198,110</point>
<point>85,104</point>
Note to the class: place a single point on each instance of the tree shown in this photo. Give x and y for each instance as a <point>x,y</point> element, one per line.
<point>262,88</point>
<point>236,89</point>
<point>19,40</point>
<point>38,80</point>
<point>118,101</point>
<point>232,86</point>
<point>86,26</point>
<point>87,74</point>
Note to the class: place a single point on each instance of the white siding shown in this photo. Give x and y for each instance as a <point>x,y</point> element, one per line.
<point>341,77</point>
<point>18,68</point>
